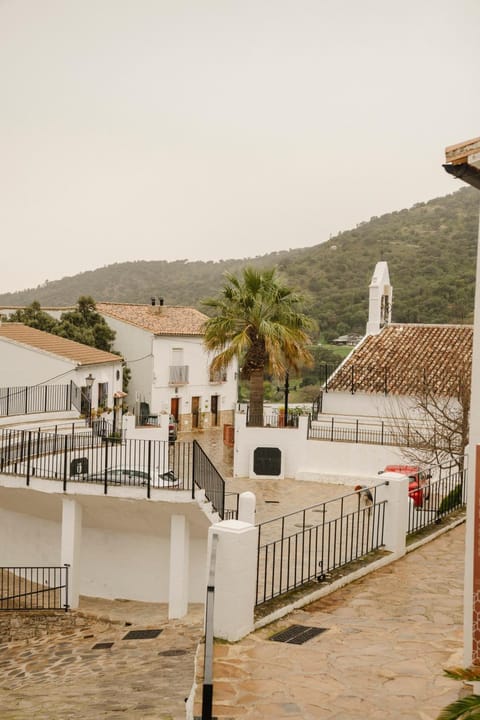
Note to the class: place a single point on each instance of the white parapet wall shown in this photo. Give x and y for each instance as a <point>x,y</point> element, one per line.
<point>302,458</point>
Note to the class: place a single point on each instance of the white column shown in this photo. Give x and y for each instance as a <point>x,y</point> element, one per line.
<point>246,507</point>
<point>179,567</point>
<point>471,599</point>
<point>396,511</point>
<point>235,578</point>
<point>71,546</point>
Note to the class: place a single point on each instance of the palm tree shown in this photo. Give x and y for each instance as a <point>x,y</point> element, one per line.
<point>258,320</point>
<point>467,707</point>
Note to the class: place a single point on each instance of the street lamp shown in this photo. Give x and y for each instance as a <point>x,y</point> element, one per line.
<point>89,380</point>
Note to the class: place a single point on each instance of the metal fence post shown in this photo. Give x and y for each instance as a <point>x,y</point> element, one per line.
<point>29,448</point>
<point>65,450</point>
<point>207,696</point>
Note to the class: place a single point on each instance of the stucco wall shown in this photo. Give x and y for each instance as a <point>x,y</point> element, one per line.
<point>305,459</point>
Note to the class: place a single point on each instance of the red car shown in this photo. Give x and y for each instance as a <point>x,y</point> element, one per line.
<point>417,481</point>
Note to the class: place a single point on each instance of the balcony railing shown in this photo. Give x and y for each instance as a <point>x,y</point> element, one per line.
<point>218,376</point>
<point>178,374</point>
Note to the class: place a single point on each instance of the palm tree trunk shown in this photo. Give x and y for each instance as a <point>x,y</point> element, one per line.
<point>256,398</point>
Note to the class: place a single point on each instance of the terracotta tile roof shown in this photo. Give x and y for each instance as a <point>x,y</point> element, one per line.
<point>157,319</point>
<point>401,358</point>
<point>67,349</point>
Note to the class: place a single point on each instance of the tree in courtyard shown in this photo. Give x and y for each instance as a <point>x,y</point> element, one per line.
<point>34,317</point>
<point>439,431</point>
<point>259,320</point>
<point>85,325</point>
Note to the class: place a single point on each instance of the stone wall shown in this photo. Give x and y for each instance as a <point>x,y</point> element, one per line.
<point>34,624</point>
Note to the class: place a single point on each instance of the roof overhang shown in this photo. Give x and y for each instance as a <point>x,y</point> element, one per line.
<point>463,161</point>
<point>467,173</point>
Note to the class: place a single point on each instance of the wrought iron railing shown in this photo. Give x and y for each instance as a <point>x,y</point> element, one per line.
<point>34,588</point>
<point>111,462</point>
<point>383,432</point>
<point>436,498</point>
<point>272,421</point>
<point>207,477</point>
<point>307,545</point>
<point>30,399</point>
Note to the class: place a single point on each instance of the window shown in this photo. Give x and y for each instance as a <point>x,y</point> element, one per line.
<point>102,395</point>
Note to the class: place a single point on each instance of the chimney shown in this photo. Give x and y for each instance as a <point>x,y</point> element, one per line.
<point>152,300</point>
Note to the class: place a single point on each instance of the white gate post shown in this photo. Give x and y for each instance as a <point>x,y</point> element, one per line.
<point>235,578</point>
<point>396,511</point>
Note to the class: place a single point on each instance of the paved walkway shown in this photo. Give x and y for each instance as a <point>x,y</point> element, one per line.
<point>63,677</point>
<point>381,656</point>
<point>387,639</point>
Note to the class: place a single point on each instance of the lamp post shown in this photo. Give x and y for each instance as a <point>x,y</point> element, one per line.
<point>286,390</point>
<point>89,380</point>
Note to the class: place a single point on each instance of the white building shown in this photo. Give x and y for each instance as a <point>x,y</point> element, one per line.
<point>33,357</point>
<point>163,347</point>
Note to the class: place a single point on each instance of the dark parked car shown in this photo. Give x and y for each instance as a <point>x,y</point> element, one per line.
<point>172,428</point>
<point>133,476</point>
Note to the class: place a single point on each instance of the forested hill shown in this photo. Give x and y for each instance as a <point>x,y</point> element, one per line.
<point>430,249</point>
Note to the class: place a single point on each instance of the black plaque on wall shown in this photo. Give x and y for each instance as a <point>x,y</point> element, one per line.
<point>267,461</point>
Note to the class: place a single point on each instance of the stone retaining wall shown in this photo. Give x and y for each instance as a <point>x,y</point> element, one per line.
<point>25,625</point>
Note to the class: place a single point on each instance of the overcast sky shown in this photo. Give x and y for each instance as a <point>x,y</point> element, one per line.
<point>210,129</point>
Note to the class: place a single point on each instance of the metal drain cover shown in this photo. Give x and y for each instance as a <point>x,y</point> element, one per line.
<point>102,646</point>
<point>142,634</point>
<point>297,634</point>
<point>172,653</point>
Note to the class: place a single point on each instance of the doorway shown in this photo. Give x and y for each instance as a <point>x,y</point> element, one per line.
<point>174,407</point>
<point>195,411</point>
<point>214,409</point>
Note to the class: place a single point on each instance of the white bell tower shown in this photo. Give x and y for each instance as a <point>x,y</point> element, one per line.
<point>380,299</point>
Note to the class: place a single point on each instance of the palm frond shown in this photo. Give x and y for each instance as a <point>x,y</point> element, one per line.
<point>467,708</point>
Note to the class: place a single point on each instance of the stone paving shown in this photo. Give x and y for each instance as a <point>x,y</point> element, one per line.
<point>387,639</point>
<point>62,677</point>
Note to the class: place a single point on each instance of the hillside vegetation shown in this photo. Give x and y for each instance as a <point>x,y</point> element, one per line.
<point>430,249</point>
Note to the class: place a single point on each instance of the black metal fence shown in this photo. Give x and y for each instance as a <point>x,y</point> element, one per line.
<point>277,420</point>
<point>32,399</point>
<point>400,434</point>
<point>34,588</point>
<point>87,457</point>
<point>307,545</point>
<point>436,497</point>
<point>207,477</point>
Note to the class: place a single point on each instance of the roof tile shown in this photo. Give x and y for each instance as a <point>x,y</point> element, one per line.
<point>402,357</point>
<point>157,319</point>
<point>69,349</point>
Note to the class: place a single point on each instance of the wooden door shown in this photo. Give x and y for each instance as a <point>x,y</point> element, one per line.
<point>174,407</point>
<point>195,411</point>
<point>214,409</point>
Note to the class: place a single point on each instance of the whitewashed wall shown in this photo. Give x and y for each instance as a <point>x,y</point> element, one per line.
<point>135,346</point>
<point>305,459</point>
<point>21,366</point>
<point>126,556</point>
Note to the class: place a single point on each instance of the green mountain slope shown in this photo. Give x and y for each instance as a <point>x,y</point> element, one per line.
<point>430,249</point>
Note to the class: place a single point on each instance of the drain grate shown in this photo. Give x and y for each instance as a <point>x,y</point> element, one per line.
<point>172,653</point>
<point>102,646</point>
<point>297,634</point>
<point>142,634</point>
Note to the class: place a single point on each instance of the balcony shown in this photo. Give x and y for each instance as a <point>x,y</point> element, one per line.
<point>178,374</point>
<point>218,376</point>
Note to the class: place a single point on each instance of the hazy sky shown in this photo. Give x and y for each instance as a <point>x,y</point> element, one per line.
<point>209,129</point>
